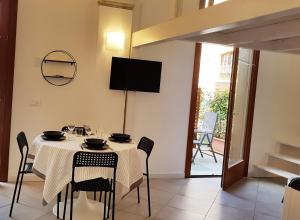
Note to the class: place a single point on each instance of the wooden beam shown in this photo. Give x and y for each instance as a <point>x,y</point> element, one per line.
<point>114,4</point>
<point>276,31</point>
<point>282,45</point>
<point>296,52</point>
<point>225,16</point>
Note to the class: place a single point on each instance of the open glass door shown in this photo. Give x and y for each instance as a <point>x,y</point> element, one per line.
<point>240,116</point>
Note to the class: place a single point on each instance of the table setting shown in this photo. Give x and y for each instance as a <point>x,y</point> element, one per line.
<point>54,151</point>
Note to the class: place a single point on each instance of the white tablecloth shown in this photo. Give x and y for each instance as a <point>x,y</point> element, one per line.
<point>53,162</point>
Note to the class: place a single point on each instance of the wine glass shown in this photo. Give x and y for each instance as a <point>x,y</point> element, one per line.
<point>80,131</point>
<point>88,130</point>
<point>100,133</point>
<point>71,128</point>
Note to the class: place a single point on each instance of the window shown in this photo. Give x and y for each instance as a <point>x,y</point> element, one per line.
<point>226,65</point>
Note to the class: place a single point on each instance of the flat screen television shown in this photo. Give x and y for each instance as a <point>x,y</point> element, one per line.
<point>135,75</point>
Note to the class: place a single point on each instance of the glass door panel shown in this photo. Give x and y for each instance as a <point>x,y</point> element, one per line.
<point>241,97</point>
<point>240,117</point>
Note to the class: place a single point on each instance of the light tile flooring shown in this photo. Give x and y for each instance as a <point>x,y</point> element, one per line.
<point>174,199</point>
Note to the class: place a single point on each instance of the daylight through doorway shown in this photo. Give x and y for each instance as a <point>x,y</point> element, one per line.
<point>211,110</point>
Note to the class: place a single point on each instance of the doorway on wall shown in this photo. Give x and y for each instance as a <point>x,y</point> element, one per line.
<point>211,110</point>
<point>239,100</point>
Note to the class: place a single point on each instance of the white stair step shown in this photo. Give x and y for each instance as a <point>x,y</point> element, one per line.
<point>291,159</point>
<point>290,143</point>
<point>277,171</point>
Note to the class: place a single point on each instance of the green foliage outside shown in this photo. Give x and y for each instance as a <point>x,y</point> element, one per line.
<point>219,104</point>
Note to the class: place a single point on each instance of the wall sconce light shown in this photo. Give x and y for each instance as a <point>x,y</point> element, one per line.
<point>115,40</point>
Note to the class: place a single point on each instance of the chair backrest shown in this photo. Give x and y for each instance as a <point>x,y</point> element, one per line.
<point>22,143</point>
<point>146,145</point>
<point>94,159</point>
<point>209,122</point>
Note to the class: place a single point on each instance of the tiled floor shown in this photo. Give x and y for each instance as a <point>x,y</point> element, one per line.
<point>174,199</point>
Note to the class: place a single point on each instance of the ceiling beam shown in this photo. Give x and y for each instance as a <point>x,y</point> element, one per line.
<point>225,16</point>
<point>276,31</point>
<point>281,45</point>
<point>115,4</point>
<point>297,52</point>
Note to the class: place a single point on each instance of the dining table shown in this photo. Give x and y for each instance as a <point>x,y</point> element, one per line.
<point>53,162</point>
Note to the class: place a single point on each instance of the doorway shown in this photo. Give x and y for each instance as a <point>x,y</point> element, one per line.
<point>240,108</point>
<point>211,109</point>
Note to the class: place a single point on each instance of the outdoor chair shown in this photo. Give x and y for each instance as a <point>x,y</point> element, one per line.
<point>204,136</point>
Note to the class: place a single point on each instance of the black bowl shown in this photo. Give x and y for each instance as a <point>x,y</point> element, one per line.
<point>120,136</point>
<point>53,134</point>
<point>95,142</point>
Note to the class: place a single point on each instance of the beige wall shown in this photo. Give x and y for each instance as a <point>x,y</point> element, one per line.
<point>151,12</point>
<point>79,28</point>
<point>164,116</point>
<point>277,105</point>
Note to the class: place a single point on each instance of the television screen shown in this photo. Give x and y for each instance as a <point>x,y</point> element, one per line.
<point>135,75</point>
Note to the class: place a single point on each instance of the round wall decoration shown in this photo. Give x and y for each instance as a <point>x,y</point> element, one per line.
<point>59,67</point>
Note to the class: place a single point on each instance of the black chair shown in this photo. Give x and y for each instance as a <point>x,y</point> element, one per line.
<point>146,145</point>
<point>92,159</point>
<point>24,167</point>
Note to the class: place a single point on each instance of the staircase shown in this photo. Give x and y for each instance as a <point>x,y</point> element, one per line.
<point>284,163</point>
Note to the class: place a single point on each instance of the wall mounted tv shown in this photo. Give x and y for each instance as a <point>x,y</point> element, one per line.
<point>135,75</point>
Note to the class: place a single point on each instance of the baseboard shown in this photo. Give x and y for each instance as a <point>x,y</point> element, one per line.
<point>27,178</point>
<point>167,176</point>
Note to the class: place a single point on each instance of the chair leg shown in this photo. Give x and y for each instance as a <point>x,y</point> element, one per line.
<point>95,195</point>
<point>198,147</point>
<point>148,190</point>
<point>100,198</point>
<point>114,201</point>
<point>138,194</point>
<point>15,190</point>
<point>200,151</point>
<point>213,153</point>
<point>66,200</point>
<point>21,181</point>
<point>104,212</point>
<point>57,206</point>
<point>71,205</point>
<point>109,201</point>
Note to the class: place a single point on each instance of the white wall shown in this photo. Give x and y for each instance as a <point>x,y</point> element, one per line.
<point>78,27</point>
<point>164,116</point>
<point>277,105</point>
<point>151,12</point>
